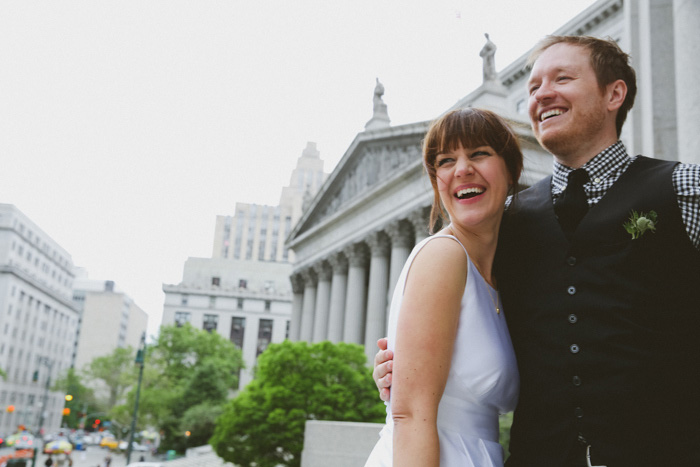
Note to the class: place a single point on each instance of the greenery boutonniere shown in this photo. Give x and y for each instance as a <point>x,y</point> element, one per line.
<point>640,222</point>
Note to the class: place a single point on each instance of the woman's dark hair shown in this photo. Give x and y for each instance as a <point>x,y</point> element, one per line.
<point>471,128</point>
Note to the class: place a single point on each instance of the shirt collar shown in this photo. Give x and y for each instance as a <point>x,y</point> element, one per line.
<point>611,160</point>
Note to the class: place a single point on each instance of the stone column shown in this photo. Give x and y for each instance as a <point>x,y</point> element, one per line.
<point>375,325</point>
<point>654,123</point>
<point>686,24</point>
<point>401,235</point>
<point>297,305</point>
<point>356,297</point>
<point>323,300</point>
<point>339,284</point>
<point>309,307</point>
<point>420,220</point>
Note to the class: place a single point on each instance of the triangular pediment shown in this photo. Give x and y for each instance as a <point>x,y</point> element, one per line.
<point>374,158</point>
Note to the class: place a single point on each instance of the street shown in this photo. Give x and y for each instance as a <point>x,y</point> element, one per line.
<point>94,456</point>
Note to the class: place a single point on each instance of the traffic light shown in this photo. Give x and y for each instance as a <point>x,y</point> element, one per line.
<point>66,411</point>
<point>69,397</point>
<point>10,408</point>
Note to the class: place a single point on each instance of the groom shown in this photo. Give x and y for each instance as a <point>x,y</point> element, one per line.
<point>603,311</point>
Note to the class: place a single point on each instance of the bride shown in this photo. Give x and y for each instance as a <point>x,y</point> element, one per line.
<point>454,369</point>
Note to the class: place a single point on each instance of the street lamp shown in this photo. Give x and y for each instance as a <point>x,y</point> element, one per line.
<point>140,360</point>
<point>44,403</point>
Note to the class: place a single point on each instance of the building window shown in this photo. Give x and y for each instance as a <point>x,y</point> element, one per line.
<point>182,317</point>
<point>239,305</point>
<point>242,284</point>
<point>216,281</point>
<point>286,331</point>
<point>210,322</point>
<point>237,331</point>
<point>184,298</point>
<point>212,302</point>
<point>268,304</point>
<point>264,335</point>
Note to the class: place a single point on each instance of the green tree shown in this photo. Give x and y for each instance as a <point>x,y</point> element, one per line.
<point>185,368</point>
<point>200,421</point>
<point>116,372</point>
<point>295,382</point>
<point>83,397</point>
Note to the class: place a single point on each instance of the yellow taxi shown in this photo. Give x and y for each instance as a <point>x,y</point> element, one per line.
<point>108,442</point>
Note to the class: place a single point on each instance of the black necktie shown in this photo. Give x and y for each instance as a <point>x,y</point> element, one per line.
<point>572,204</point>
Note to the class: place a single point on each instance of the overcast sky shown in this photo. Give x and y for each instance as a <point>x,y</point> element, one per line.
<point>127,126</point>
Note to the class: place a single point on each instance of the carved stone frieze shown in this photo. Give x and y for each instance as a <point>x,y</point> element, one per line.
<point>374,165</point>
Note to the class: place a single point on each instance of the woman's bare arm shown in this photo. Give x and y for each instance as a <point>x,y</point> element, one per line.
<point>425,337</point>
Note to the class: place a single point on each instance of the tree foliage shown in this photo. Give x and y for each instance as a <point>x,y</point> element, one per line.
<point>185,368</point>
<point>83,398</point>
<point>295,382</point>
<point>116,372</point>
<point>200,421</point>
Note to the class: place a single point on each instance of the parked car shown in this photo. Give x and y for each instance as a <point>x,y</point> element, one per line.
<point>108,442</point>
<point>134,447</point>
<point>25,441</point>
<point>146,464</point>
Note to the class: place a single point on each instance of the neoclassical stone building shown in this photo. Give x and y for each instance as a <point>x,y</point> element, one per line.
<point>355,235</point>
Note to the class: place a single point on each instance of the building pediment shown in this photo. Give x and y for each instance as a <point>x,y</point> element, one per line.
<point>375,158</point>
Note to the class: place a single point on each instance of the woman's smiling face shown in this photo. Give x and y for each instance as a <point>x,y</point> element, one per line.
<point>473,184</point>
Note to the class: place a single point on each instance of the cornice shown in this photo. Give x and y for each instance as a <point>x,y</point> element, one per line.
<point>334,193</point>
<point>232,292</point>
<point>580,25</point>
<point>24,276</point>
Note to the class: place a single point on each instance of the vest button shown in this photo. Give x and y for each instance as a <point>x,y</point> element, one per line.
<point>571,261</point>
<point>574,348</point>
<point>578,411</point>
<point>571,290</point>
<point>577,381</point>
<point>573,318</point>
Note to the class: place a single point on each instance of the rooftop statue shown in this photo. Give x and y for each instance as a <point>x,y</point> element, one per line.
<point>487,54</point>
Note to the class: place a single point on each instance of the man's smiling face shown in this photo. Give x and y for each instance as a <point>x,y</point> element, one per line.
<point>568,109</point>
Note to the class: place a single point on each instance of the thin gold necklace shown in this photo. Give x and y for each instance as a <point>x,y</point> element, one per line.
<point>488,289</point>
<point>495,302</point>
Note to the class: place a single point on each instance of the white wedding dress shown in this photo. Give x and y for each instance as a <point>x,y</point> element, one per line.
<point>483,379</point>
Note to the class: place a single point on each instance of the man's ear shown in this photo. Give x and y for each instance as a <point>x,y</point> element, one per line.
<point>616,93</point>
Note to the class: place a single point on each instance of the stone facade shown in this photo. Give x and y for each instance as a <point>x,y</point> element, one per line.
<point>109,320</point>
<point>38,323</point>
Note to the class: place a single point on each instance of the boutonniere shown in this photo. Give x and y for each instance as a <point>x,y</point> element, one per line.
<point>640,222</point>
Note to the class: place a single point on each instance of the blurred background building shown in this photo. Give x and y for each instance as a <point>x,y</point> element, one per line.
<point>109,319</point>
<point>38,322</point>
<point>243,290</point>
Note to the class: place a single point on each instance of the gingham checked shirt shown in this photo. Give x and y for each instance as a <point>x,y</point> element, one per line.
<point>605,168</point>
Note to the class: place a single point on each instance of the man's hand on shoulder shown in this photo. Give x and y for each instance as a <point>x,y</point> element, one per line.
<point>383,362</point>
